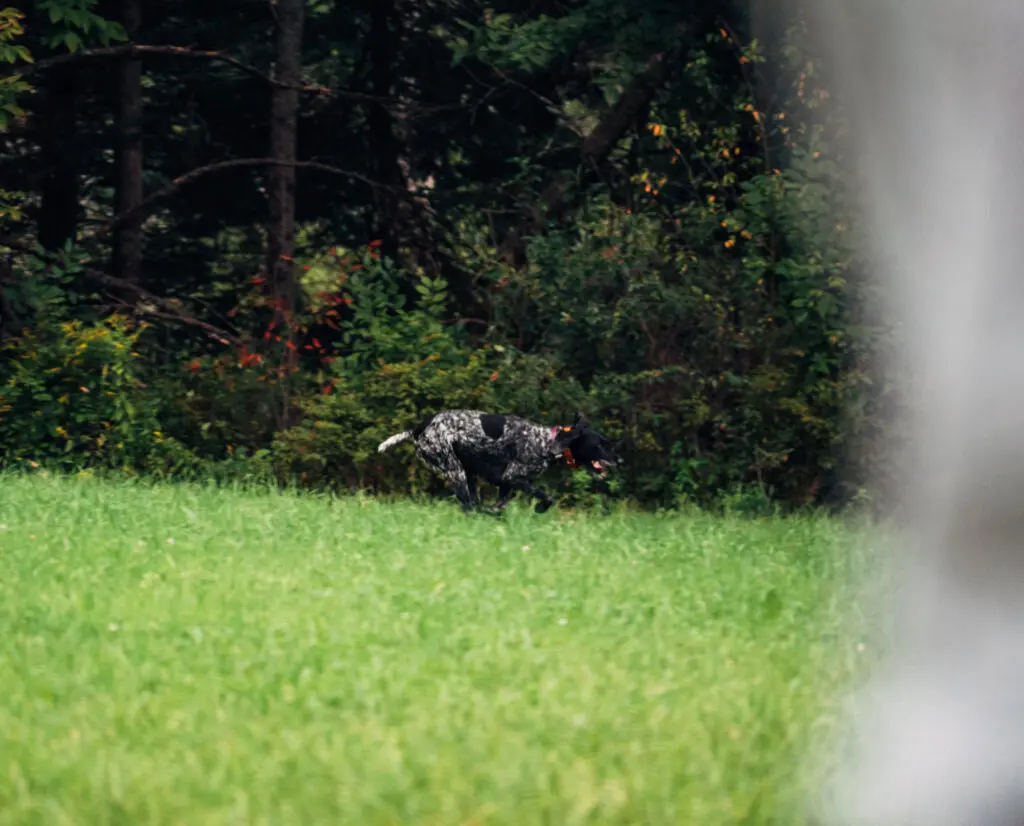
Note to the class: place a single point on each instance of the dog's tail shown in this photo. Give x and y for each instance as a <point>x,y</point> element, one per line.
<point>391,441</point>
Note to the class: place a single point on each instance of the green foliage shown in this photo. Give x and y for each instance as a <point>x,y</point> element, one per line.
<point>72,389</point>
<point>74,21</point>
<point>42,290</point>
<point>71,394</point>
<point>11,86</point>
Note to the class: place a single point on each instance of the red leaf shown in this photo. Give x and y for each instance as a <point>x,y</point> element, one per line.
<point>376,243</point>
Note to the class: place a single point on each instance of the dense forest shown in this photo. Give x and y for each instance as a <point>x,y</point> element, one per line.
<point>255,237</point>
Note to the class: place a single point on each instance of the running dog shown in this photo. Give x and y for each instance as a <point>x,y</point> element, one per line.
<point>506,451</point>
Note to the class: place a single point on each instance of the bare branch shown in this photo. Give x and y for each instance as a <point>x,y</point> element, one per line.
<point>25,69</point>
<point>139,49</point>
<point>13,243</point>
<point>235,163</point>
<point>152,305</point>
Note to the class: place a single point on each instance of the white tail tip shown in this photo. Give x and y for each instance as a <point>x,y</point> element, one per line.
<point>391,441</point>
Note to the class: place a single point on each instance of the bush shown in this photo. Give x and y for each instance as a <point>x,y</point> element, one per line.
<point>72,395</point>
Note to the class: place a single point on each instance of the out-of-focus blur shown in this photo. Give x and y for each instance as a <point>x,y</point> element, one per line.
<point>934,90</point>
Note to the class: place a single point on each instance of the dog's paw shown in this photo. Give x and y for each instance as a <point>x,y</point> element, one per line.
<point>542,507</point>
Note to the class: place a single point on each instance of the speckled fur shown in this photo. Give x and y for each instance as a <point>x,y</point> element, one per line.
<point>456,444</point>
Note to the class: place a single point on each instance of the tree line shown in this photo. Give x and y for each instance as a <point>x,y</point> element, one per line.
<point>256,238</point>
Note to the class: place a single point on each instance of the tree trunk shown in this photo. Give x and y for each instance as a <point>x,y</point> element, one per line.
<point>127,252</point>
<point>382,133</point>
<point>59,190</point>
<point>404,218</point>
<point>290,15</point>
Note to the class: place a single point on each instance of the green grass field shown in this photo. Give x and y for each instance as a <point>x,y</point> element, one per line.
<point>180,655</point>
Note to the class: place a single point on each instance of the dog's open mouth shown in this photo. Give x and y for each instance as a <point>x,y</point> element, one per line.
<point>600,468</point>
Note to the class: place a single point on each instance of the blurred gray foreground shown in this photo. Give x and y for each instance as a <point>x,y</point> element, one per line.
<point>934,94</point>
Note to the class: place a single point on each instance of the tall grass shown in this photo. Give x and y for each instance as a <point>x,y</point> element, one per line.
<point>184,655</point>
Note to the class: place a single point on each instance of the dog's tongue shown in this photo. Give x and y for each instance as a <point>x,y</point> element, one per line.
<point>600,468</point>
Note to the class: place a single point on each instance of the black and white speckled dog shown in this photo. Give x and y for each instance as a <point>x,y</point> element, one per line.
<point>506,451</point>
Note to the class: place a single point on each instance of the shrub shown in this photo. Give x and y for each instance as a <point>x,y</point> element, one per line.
<point>72,395</point>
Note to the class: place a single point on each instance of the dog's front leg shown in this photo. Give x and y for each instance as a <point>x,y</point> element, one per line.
<point>505,491</point>
<point>510,485</point>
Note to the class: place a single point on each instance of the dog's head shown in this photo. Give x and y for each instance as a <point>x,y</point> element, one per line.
<point>585,447</point>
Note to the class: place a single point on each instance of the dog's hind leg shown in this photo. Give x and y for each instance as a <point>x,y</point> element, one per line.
<point>445,462</point>
<point>465,491</point>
